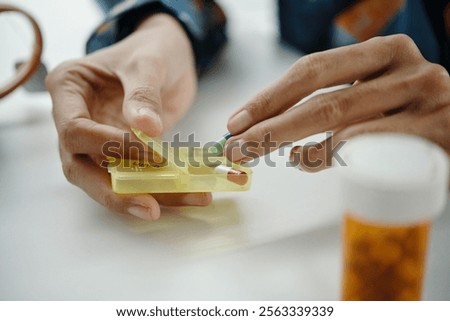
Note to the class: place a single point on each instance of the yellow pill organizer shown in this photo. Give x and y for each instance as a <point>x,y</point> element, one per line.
<point>187,175</point>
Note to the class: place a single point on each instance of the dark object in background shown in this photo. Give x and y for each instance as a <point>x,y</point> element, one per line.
<point>37,81</point>
<point>25,70</point>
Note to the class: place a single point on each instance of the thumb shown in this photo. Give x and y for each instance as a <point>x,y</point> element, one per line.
<point>142,107</point>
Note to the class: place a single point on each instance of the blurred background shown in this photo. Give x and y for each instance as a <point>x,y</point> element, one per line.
<point>268,244</point>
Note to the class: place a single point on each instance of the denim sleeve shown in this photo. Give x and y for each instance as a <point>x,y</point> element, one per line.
<point>107,5</point>
<point>203,21</point>
<point>308,25</point>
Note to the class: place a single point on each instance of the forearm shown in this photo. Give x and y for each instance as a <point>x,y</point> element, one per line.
<point>203,21</point>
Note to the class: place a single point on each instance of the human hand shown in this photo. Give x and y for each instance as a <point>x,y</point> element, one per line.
<point>146,81</point>
<point>394,90</point>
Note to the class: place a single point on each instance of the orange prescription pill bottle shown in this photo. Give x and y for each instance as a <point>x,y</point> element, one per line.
<point>393,186</point>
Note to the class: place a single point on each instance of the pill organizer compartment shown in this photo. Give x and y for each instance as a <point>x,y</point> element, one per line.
<point>191,173</point>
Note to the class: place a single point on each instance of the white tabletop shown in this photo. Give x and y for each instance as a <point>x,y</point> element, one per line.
<point>279,241</point>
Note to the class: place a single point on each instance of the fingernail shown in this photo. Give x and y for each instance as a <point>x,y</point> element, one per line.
<point>295,156</point>
<point>294,152</point>
<point>156,158</point>
<point>239,122</point>
<point>155,118</point>
<point>141,212</point>
<point>233,150</point>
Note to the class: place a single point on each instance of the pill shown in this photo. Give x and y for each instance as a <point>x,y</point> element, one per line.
<point>233,175</point>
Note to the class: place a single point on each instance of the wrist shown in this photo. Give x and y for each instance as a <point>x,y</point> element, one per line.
<point>169,40</point>
<point>164,28</point>
<point>158,20</point>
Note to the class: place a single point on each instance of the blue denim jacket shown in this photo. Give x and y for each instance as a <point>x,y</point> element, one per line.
<point>307,25</point>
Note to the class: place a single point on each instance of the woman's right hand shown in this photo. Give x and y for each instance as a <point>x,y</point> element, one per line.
<point>395,89</point>
<point>147,81</point>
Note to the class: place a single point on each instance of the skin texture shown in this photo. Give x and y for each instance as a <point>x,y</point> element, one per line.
<point>138,82</point>
<point>394,90</point>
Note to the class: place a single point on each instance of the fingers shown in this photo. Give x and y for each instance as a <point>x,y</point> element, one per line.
<point>316,157</point>
<point>432,126</point>
<point>78,134</point>
<point>85,136</point>
<point>319,70</point>
<point>73,86</point>
<point>324,112</point>
<point>142,106</point>
<point>96,182</point>
<point>68,94</point>
<point>414,85</point>
<point>84,143</point>
<point>323,155</point>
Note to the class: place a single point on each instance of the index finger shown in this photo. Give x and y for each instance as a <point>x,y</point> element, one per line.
<point>78,133</point>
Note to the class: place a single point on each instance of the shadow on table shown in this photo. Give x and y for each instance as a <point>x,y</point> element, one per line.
<point>196,230</point>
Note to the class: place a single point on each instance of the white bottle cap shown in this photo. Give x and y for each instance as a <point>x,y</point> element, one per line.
<point>394,178</point>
